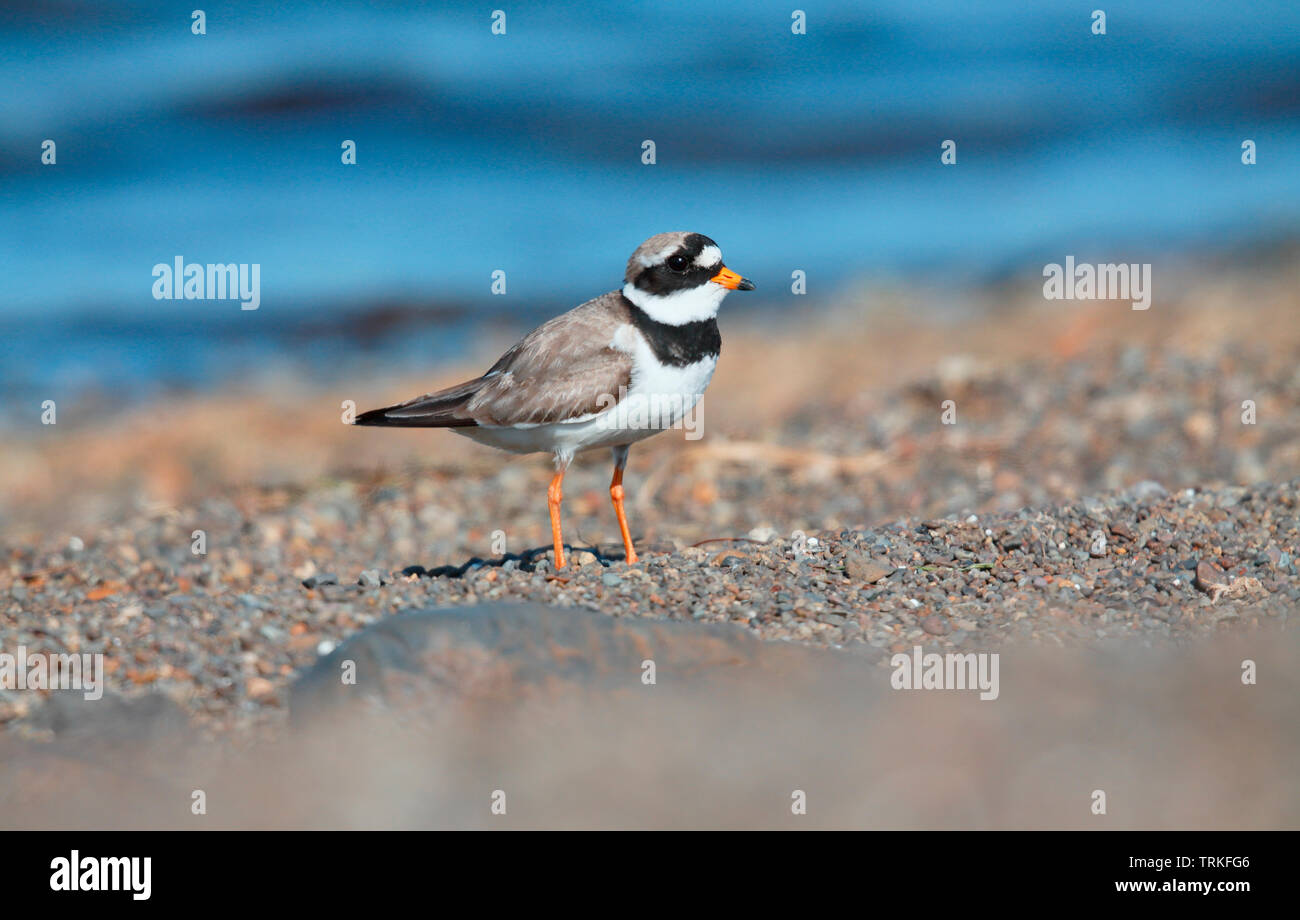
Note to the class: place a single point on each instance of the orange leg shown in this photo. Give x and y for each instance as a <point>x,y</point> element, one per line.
<point>553,496</point>
<point>616,493</point>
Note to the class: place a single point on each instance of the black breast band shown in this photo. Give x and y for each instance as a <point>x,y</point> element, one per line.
<point>678,346</point>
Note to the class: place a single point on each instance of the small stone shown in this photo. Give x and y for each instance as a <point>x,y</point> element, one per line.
<point>611,580</point>
<point>75,545</point>
<point>324,578</point>
<point>1208,574</point>
<point>1270,556</point>
<point>259,688</point>
<point>762,534</point>
<point>861,567</point>
<point>936,625</point>
<point>369,578</point>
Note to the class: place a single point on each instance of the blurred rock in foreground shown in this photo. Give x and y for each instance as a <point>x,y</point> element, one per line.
<point>545,709</point>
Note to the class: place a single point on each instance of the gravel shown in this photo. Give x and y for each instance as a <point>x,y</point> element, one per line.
<point>222,635</point>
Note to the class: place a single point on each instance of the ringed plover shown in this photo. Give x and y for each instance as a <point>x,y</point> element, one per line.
<point>608,373</point>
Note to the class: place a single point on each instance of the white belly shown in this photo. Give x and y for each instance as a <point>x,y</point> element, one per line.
<point>658,398</point>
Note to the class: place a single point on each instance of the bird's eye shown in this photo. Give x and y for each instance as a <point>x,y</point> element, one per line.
<point>678,263</point>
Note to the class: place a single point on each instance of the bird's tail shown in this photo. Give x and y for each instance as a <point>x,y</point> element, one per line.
<point>443,409</point>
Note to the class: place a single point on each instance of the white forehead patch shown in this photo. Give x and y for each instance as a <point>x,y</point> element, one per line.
<point>709,256</point>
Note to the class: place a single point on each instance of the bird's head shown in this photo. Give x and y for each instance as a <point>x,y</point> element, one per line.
<point>679,278</point>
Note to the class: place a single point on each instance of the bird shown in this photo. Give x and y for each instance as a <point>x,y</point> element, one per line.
<point>608,373</point>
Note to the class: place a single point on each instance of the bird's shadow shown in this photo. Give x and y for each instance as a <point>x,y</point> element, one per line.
<point>527,561</point>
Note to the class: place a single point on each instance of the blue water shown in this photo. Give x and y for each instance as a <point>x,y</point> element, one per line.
<point>522,152</point>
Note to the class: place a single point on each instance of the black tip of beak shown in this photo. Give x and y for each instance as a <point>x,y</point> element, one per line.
<point>745,285</point>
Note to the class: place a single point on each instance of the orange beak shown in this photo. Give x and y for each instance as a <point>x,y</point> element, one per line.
<point>731,281</point>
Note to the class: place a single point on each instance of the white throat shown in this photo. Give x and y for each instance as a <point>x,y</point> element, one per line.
<point>680,307</point>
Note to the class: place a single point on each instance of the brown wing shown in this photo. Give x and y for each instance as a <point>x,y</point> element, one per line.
<point>564,369</point>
